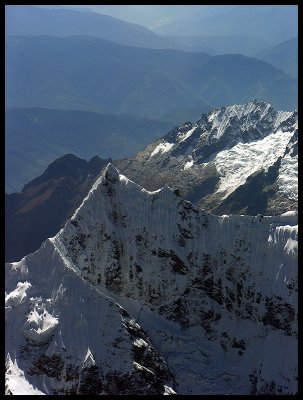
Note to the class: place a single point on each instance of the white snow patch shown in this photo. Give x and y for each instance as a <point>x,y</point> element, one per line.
<point>189,164</point>
<point>287,229</point>
<point>162,148</point>
<point>123,179</point>
<point>184,135</point>
<point>213,116</point>
<point>235,165</point>
<point>168,390</point>
<point>16,382</point>
<point>39,325</point>
<point>89,360</point>
<point>17,296</point>
<point>141,368</point>
<point>288,177</point>
<point>285,234</point>
<point>134,324</point>
<point>140,343</point>
<point>289,214</point>
<point>281,117</point>
<point>155,192</point>
<point>291,246</point>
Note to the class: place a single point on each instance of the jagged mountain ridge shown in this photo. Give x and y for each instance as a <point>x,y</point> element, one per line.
<point>210,292</point>
<point>240,159</point>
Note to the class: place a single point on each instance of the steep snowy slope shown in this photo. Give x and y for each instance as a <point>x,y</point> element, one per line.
<point>216,296</point>
<point>240,159</point>
<point>64,337</point>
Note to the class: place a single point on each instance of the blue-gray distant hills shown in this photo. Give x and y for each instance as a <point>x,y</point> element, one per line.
<point>283,56</point>
<point>36,136</point>
<point>31,21</point>
<point>273,23</point>
<point>94,74</point>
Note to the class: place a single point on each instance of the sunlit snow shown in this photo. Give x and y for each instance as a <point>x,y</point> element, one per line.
<point>235,165</point>
<point>16,381</point>
<point>182,136</point>
<point>288,177</point>
<point>162,148</point>
<point>18,295</point>
<point>40,324</point>
<point>189,164</point>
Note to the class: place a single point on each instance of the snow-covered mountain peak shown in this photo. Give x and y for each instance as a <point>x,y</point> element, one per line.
<point>110,191</point>
<point>217,297</point>
<point>218,160</point>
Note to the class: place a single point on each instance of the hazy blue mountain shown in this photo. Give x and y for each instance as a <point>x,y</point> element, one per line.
<point>153,16</point>
<point>42,135</point>
<point>233,78</point>
<point>214,45</point>
<point>31,21</point>
<point>283,56</point>
<point>98,75</point>
<point>273,23</point>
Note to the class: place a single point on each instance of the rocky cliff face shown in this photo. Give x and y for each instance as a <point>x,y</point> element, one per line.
<point>215,295</point>
<point>240,159</point>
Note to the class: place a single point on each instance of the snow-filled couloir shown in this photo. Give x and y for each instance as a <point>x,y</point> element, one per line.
<point>209,303</point>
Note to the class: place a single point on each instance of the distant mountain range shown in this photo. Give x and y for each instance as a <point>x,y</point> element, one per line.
<point>273,23</point>
<point>213,29</point>
<point>215,45</point>
<point>43,135</point>
<point>283,56</point>
<point>32,21</point>
<point>98,75</point>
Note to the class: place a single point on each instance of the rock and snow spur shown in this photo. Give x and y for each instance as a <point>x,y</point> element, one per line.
<point>240,159</point>
<point>209,302</point>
